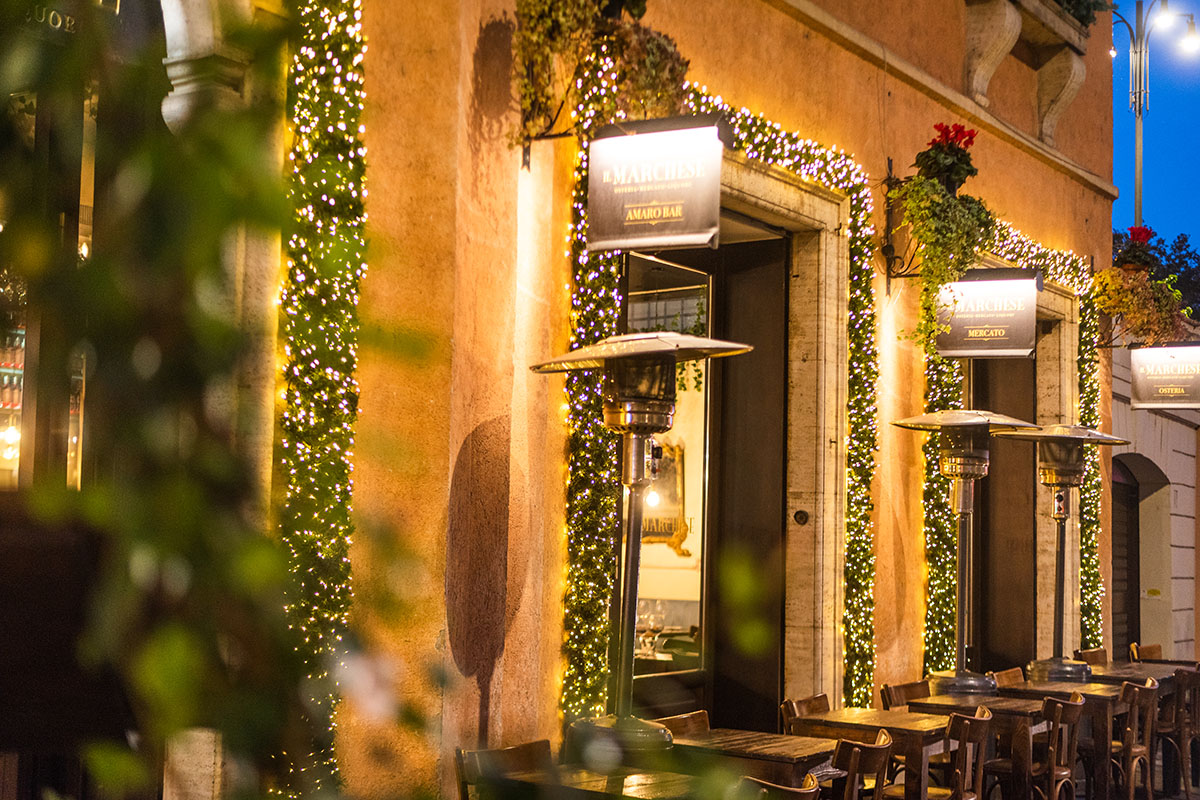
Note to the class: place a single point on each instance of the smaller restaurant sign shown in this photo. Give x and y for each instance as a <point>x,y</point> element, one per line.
<point>1165,377</point>
<point>655,189</point>
<point>988,318</point>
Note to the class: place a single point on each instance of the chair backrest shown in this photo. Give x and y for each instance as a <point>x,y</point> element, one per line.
<point>970,738</point>
<point>1143,708</point>
<point>1185,705</point>
<point>792,710</point>
<point>1063,716</point>
<point>1008,677</point>
<point>473,766</point>
<point>858,759</point>
<point>686,724</point>
<point>1096,656</point>
<point>901,693</point>
<point>750,788</point>
<point>1137,652</point>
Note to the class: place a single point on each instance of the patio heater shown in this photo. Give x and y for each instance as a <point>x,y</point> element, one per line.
<point>639,401</point>
<point>1060,466</point>
<point>963,458</point>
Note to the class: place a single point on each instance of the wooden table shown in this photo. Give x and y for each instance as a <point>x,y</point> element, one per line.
<point>773,757</point>
<point>1136,672</point>
<point>1014,718</point>
<point>582,784</point>
<point>1101,702</point>
<point>913,736</point>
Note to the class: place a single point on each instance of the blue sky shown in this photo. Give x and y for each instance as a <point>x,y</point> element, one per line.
<point>1171,144</point>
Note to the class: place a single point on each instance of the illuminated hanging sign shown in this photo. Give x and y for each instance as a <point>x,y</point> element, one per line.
<point>1165,377</point>
<point>989,315</point>
<point>654,189</point>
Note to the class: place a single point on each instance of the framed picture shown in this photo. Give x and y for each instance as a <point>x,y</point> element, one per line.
<point>664,522</point>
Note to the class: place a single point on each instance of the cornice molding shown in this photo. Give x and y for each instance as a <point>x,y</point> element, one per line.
<point>866,48</point>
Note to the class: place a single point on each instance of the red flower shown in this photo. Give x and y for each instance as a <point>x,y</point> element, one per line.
<point>952,136</point>
<point>1140,234</point>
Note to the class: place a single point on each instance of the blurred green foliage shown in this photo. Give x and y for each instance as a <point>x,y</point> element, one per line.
<point>189,601</point>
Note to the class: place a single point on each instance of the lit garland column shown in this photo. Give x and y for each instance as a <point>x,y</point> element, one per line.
<point>1091,583</point>
<point>320,327</point>
<point>943,390</point>
<point>594,488</point>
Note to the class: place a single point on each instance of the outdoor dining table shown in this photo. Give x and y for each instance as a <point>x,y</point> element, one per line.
<point>578,783</point>
<point>1137,672</point>
<point>1013,718</point>
<point>1101,702</point>
<point>914,736</point>
<point>773,757</point>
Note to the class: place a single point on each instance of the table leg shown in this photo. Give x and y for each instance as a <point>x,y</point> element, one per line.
<point>1101,777</point>
<point>1021,752</point>
<point>916,777</point>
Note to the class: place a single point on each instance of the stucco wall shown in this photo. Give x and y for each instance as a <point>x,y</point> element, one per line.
<point>460,467</point>
<point>459,464</point>
<point>1167,526</point>
<point>815,82</point>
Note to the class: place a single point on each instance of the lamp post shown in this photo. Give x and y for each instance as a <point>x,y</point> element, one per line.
<point>963,458</point>
<point>1060,466</point>
<point>1139,73</point>
<point>639,401</point>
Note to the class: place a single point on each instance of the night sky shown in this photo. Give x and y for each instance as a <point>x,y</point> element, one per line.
<point>1171,144</point>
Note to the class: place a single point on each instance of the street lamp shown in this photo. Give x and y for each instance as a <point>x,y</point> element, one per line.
<point>1139,73</point>
<point>963,458</point>
<point>639,401</point>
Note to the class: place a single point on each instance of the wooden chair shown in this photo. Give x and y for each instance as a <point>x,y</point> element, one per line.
<point>1061,746</point>
<point>792,710</point>
<point>1177,720</point>
<point>1137,652</point>
<point>1136,745</point>
<point>475,766</point>
<point>1008,677</point>
<point>901,693</point>
<point>860,761</point>
<point>969,736</point>
<point>1096,656</point>
<point>750,788</point>
<point>686,724</point>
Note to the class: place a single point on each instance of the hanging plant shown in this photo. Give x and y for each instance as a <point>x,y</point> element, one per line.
<point>553,38</point>
<point>1137,254</point>
<point>1142,309</point>
<point>949,229</point>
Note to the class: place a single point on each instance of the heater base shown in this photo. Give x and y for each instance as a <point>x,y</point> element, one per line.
<point>1058,669</point>
<point>961,681</point>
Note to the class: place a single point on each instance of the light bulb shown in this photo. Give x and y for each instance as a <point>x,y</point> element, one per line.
<point>1191,42</point>
<point>1112,51</point>
<point>652,498</point>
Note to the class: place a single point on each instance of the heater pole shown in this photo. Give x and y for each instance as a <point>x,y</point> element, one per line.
<point>1060,557</point>
<point>635,480</point>
<point>963,497</point>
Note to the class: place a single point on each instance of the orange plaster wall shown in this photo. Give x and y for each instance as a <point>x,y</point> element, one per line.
<point>460,449</point>
<point>807,83</point>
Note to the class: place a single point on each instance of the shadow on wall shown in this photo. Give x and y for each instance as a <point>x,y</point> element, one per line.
<point>491,90</point>
<point>477,557</point>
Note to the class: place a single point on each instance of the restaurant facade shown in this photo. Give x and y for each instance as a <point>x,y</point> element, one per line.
<point>794,539</point>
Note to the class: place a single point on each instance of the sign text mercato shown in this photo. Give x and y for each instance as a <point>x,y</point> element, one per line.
<point>987,318</point>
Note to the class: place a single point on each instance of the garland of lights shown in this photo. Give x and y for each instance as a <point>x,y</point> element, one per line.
<point>943,390</point>
<point>594,488</point>
<point>326,262</point>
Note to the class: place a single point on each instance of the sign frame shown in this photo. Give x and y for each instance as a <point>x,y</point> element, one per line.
<point>1157,383</point>
<point>1001,321</point>
<point>656,184</point>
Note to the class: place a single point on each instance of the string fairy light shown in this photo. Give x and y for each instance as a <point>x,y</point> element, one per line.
<point>943,390</point>
<point>594,487</point>
<point>319,299</point>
